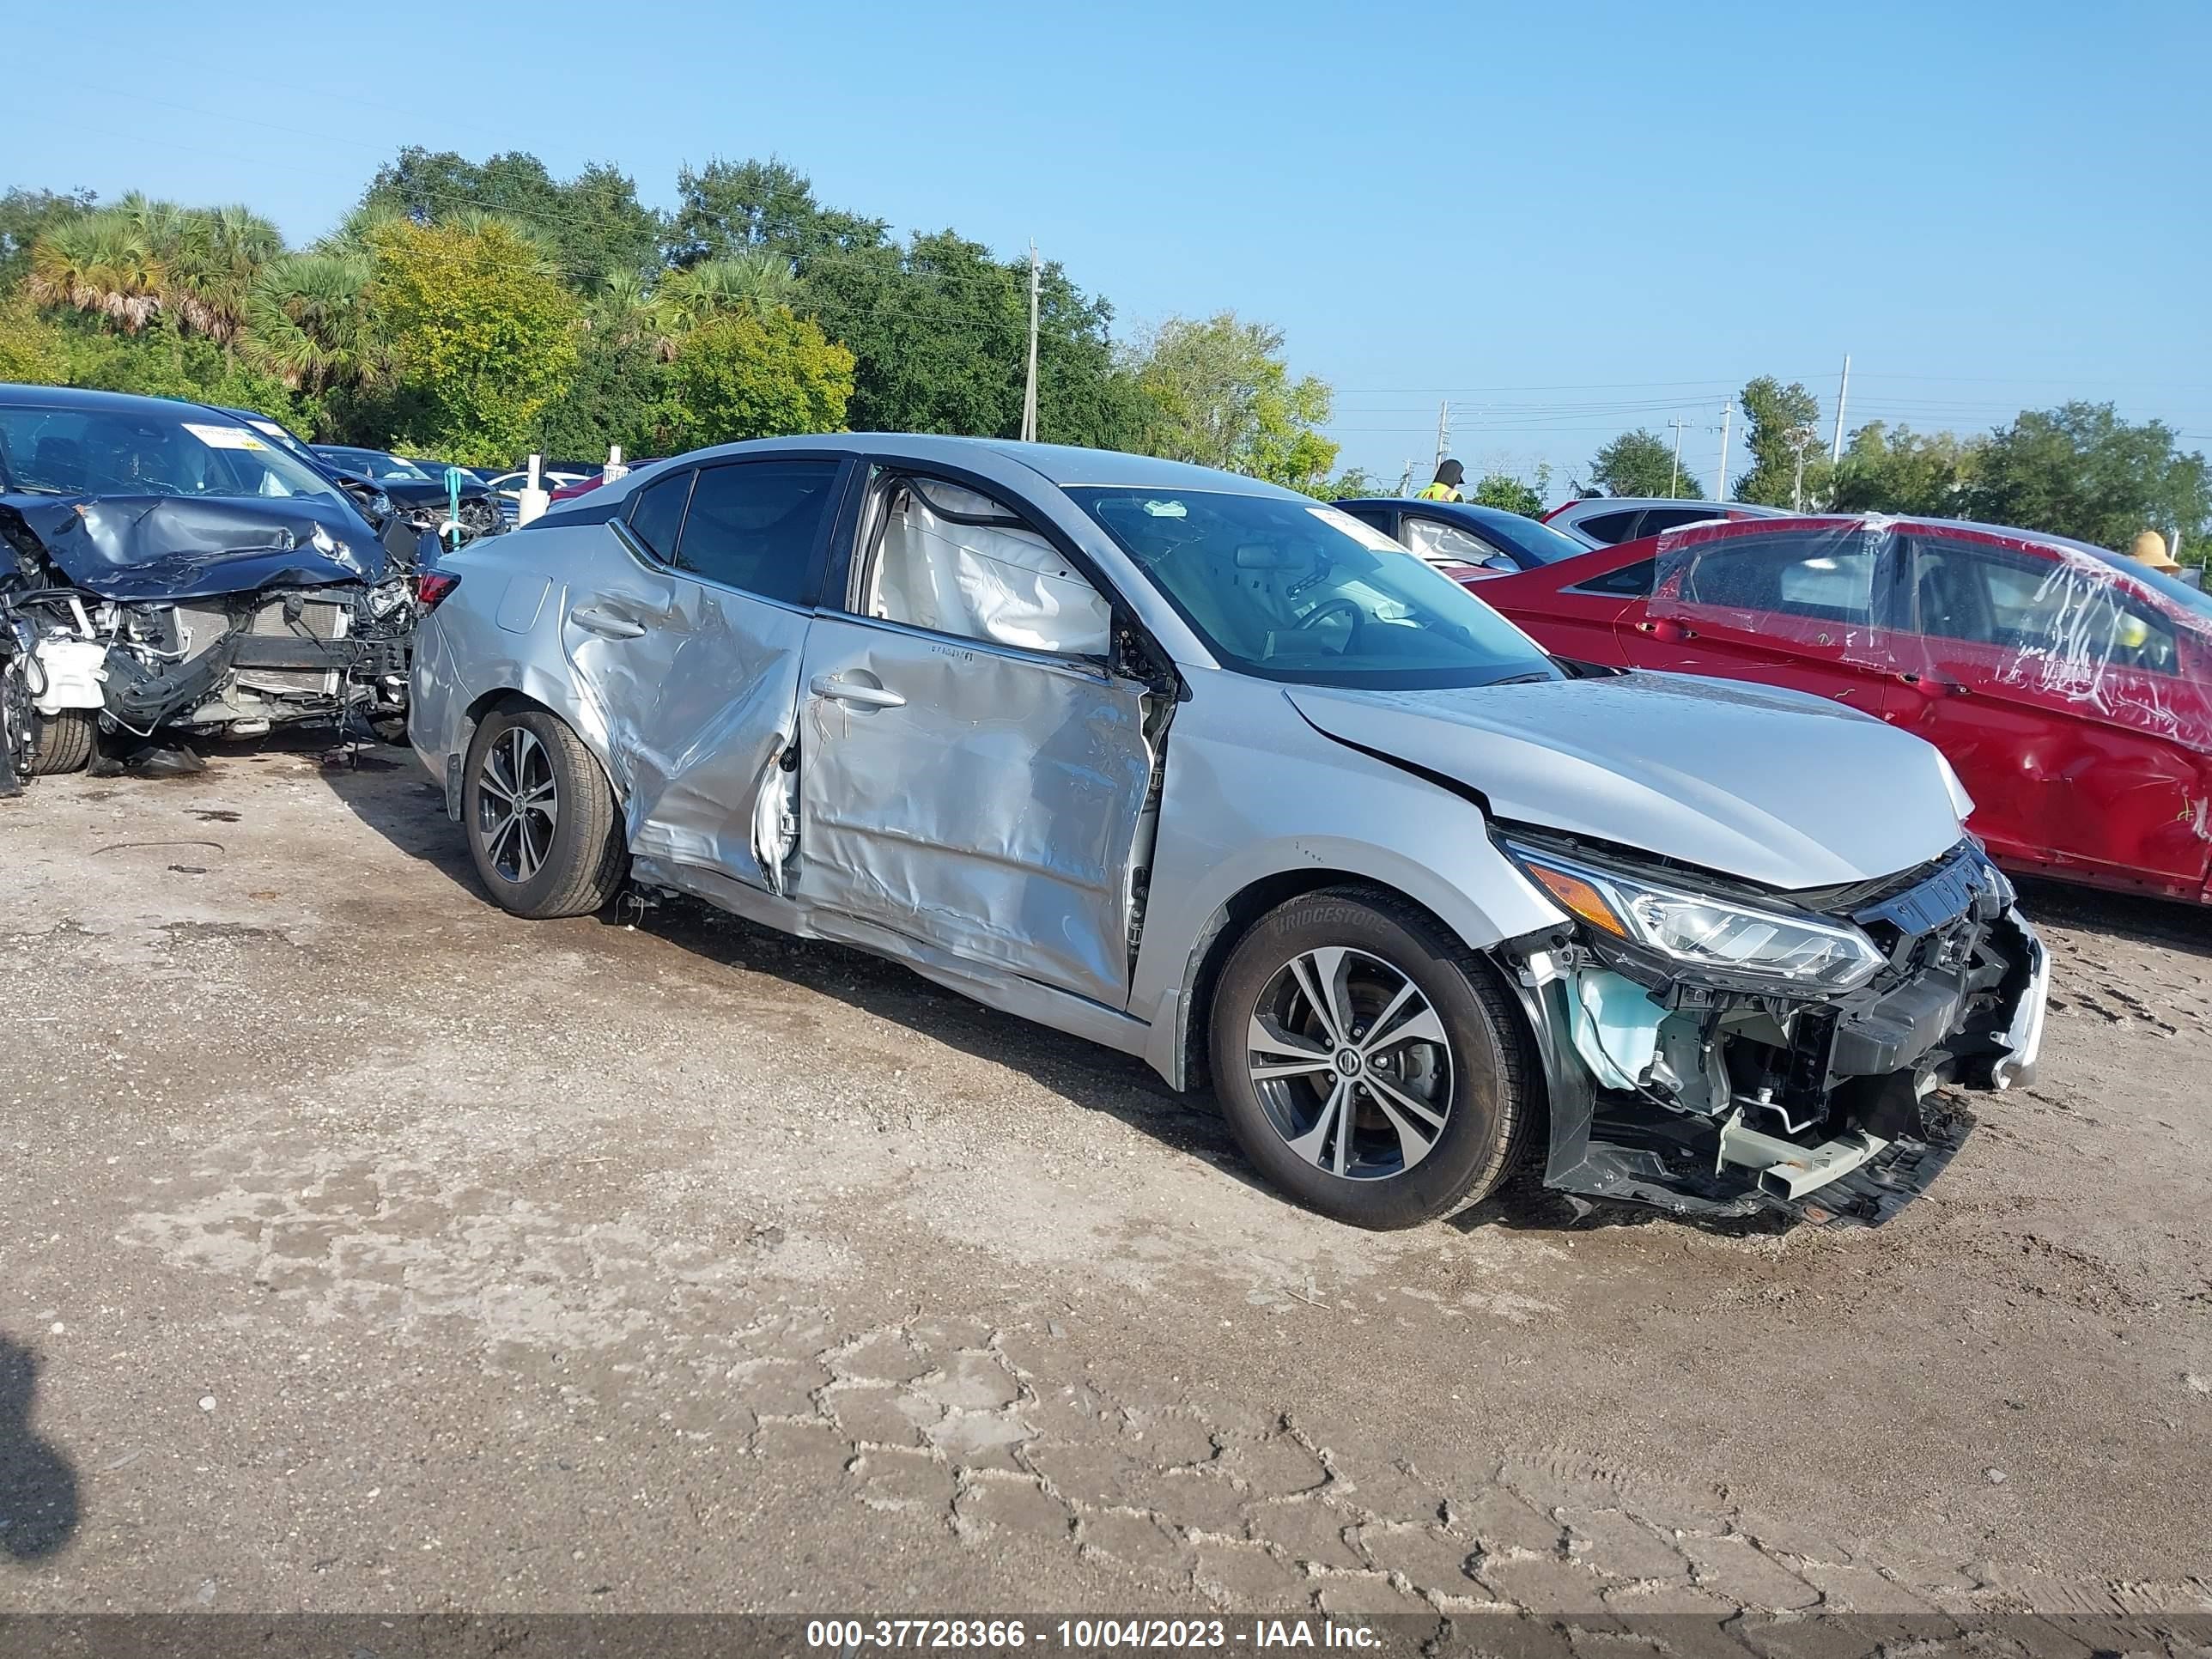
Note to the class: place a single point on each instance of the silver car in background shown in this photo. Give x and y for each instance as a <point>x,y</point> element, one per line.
<point>1212,774</point>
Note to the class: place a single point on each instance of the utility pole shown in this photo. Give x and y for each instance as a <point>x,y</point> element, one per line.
<point>1674,478</point>
<point>1443,430</point>
<point>1843,392</point>
<point>1028,394</point>
<point>1406,479</point>
<point>1728,414</point>
<point>1800,440</point>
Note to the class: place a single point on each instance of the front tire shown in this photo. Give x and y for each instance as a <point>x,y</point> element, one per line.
<point>61,741</point>
<point>1370,1066</point>
<point>542,822</point>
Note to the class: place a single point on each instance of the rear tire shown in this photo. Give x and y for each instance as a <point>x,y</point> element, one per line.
<point>1406,1097</point>
<point>61,743</point>
<point>541,818</point>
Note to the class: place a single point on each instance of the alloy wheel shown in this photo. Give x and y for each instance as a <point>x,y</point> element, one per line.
<point>1351,1064</point>
<point>518,803</point>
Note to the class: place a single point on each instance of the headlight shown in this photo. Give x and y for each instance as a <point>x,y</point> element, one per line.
<point>1704,930</point>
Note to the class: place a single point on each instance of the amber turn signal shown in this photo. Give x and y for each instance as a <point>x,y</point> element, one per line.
<point>1579,898</point>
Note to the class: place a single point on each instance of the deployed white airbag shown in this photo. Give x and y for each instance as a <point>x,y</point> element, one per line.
<point>954,562</point>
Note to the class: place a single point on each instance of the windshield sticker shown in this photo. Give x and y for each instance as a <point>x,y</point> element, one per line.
<point>1167,509</point>
<point>224,437</point>
<point>269,427</point>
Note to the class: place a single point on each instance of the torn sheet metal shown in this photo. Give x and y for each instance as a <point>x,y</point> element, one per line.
<point>218,614</point>
<point>953,561</point>
<point>1666,1087</point>
<point>986,801</point>
<point>137,549</point>
<point>698,689</point>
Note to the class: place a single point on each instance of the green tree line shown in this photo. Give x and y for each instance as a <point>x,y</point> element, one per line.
<point>475,311</point>
<point>2078,470</point>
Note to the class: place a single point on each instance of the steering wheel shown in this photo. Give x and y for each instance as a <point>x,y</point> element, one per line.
<point>1328,607</point>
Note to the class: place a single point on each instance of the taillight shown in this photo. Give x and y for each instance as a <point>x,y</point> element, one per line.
<point>432,587</point>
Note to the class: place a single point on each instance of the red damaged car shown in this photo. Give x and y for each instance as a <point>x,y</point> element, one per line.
<point>2070,688</point>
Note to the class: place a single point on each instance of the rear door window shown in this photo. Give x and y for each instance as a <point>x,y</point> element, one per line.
<point>1611,527</point>
<point>1825,578</point>
<point>1379,517</point>
<point>1436,541</point>
<point>1659,519</point>
<point>754,525</point>
<point>657,514</point>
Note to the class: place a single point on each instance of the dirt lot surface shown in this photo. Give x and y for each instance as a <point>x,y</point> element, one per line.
<point>368,1250</point>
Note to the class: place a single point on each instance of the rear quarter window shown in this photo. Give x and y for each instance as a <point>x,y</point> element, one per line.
<point>1631,581</point>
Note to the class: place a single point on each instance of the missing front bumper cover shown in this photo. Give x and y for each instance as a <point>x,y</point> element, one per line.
<point>1723,1104</point>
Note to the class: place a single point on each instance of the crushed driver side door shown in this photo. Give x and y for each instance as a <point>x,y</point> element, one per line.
<point>973,774</point>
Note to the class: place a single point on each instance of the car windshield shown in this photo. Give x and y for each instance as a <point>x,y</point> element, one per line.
<point>277,434</point>
<point>374,465</point>
<point>150,452</point>
<point>1295,591</point>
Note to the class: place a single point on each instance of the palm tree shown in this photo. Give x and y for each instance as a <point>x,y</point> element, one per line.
<point>143,256</point>
<point>755,280</point>
<point>305,321</point>
<point>102,263</point>
<point>545,250</point>
<point>357,230</point>
<point>209,265</point>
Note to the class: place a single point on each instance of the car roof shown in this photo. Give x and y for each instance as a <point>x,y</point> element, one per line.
<point>1633,503</point>
<point>1774,518</point>
<point>1499,518</point>
<point>1063,465</point>
<point>93,402</point>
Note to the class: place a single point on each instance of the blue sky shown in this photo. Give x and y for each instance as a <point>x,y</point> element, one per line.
<point>1562,220</point>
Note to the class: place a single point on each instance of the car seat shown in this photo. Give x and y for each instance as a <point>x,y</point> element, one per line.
<point>60,462</point>
<point>1948,601</point>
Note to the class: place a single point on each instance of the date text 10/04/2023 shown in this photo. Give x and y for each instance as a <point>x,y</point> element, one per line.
<point>1087,1635</point>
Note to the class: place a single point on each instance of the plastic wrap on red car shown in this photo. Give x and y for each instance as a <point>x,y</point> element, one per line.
<point>1941,609</point>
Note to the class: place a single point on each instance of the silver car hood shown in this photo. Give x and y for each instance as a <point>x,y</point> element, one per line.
<point>1770,786</point>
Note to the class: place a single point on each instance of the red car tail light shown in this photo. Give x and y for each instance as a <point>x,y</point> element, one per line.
<point>432,586</point>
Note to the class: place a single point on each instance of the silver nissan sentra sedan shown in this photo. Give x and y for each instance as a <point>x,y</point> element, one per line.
<point>1212,774</point>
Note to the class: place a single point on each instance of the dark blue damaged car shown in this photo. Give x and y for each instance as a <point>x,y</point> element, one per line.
<point>182,574</point>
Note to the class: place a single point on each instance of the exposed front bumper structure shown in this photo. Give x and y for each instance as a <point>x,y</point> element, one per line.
<point>1702,1101</point>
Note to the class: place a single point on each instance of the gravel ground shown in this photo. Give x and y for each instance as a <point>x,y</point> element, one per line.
<point>368,1249</point>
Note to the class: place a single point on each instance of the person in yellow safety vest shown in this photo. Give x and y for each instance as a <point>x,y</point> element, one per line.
<point>1446,486</point>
